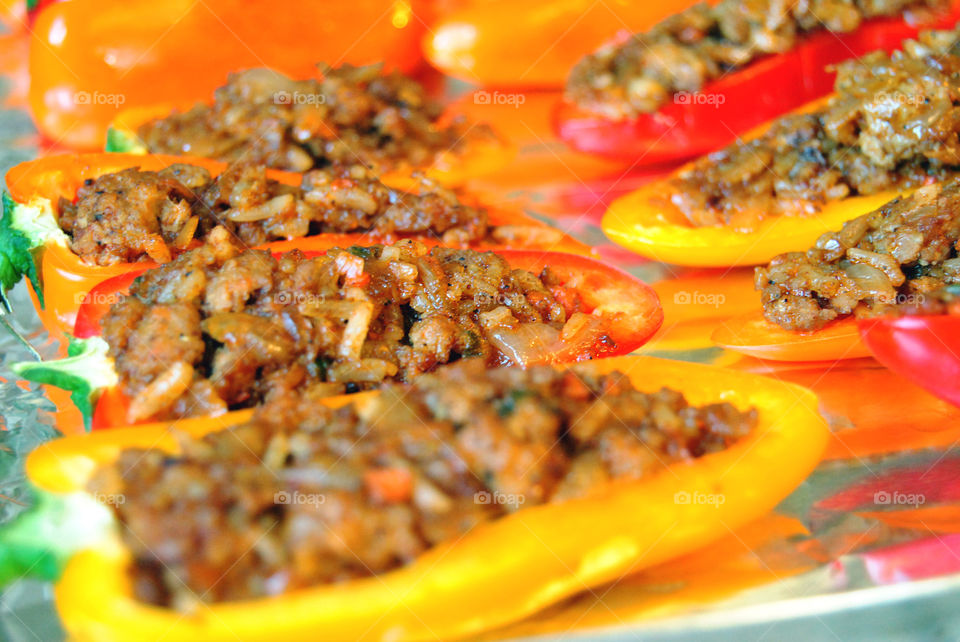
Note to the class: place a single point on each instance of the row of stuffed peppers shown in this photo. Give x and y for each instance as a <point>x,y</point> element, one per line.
<point>94,593</point>
<point>752,335</point>
<point>74,226</point>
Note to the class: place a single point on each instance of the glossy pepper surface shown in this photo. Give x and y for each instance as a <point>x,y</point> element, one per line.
<point>87,62</point>
<point>753,335</point>
<point>923,349</point>
<point>534,43</point>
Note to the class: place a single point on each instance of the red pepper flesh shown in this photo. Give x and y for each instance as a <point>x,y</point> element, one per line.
<point>923,349</point>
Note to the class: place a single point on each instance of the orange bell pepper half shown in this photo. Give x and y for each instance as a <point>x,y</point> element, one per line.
<point>630,309</point>
<point>739,100</point>
<point>87,62</point>
<point>753,335</point>
<point>647,222</point>
<point>533,43</point>
<point>543,555</point>
<point>479,157</point>
<point>32,244</point>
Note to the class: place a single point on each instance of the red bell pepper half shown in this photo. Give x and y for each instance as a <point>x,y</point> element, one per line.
<point>630,308</point>
<point>923,349</point>
<point>695,124</point>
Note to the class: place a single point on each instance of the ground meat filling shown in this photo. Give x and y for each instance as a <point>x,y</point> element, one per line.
<point>136,215</point>
<point>351,115</point>
<point>893,124</point>
<point>304,495</point>
<point>130,216</point>
<point>221,328</point>
<point>703,43</point>
<point>898,254</point>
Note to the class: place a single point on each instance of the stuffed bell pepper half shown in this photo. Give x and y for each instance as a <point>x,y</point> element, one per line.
<point>222,328</point>
<point>703,77</point>
<point>348,115</point>
<point>897,257</point>
<point>465,500</point>
<point>86,64</point>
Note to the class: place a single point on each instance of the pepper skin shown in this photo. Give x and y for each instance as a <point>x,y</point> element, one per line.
<point>532,44</point>
<point>754,336</point>
<point>923,349</point>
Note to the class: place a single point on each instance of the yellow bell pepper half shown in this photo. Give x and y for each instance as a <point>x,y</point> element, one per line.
<point>646,222</point>
<point>500,571</point>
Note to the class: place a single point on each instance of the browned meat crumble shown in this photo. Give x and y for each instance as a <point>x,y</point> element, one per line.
<point>351,115</point>
<point>893,123</point>
<point>702,43</point>
<point>135,215</point>
<point>898,254</point>
<point>221,328</point>
<point>303,495</point>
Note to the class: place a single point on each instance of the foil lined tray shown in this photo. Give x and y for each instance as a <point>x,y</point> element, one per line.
<point>835,561</point>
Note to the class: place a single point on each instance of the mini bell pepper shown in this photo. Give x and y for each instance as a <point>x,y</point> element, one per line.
<point>87,62</point>
<point>499,572</point>
<point>629,307</point>
<point>479,158</point>
<point>648,223</point>
<point>753,335</point>
<point>534,43</point>
<point>32,244</point>
<point>923,349</point>
<point>739,100</point>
